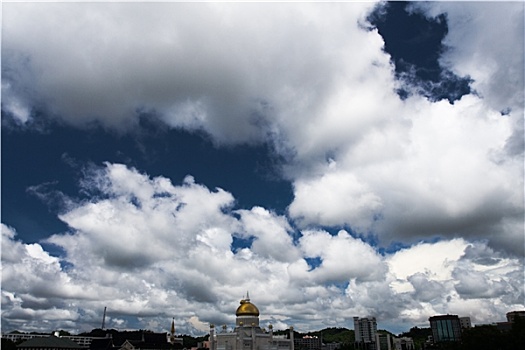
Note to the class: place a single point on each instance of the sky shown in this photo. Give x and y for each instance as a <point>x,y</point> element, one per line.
<point>332,159</point>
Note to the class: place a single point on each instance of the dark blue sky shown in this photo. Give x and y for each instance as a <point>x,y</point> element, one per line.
<point>55,160</point>
<point>415,43</point>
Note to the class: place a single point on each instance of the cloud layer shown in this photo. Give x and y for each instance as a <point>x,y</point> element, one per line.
<point>313,82</point>
<point>155,250</point>
<point>356,154</point>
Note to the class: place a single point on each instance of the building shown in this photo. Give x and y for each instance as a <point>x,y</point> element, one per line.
<point>171,337</point>
<point>465,322</point>
<point>202,345</point>
<point>404,343</point>
<point>84,342</point>
<point>383,341</point>
<point>48,343</point>
<point>445,328</point>
<point>141,340</point>
<point>247,334</point>
<point>365,333</point>
<point>101,344</point>
<point>331,346</point>
<point>16,337</point>
<point>511,316</point>
<point>308,342</point>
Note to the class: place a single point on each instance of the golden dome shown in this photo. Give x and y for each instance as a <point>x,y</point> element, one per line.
<point>247,309</point>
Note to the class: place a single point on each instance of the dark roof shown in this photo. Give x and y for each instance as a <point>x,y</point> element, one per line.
<point>144,345</point>
<point>149,345</point>
<point>101,344</point>
<point>444,317</point>
<point>155,338</point>
<point>49,342</point>
<point>133,336</point>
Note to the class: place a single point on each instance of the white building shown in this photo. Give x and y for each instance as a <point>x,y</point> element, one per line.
<point>247,335</point>
<point>365,332</point>
<point>365,329</point>
<point>404,343</point>
<point>80,340</point>
<point>465,322</point>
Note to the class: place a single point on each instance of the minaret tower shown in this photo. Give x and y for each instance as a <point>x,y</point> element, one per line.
<point>171,339</point>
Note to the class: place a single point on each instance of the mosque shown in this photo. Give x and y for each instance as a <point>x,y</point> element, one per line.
<point>247,335</point>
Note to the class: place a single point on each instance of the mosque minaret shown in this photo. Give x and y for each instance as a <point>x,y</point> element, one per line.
<point>247,335</point>
<point>171,337</point>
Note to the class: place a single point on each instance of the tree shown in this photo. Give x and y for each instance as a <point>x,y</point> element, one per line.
<point>418,335</point>
<point>62,333</point>
<point>482,338</point>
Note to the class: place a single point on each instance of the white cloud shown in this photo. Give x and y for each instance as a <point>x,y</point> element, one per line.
<point>427,181</point>
<point>435,259</point>
<point>192,273</point>
<point>268,229</point>
<point>215,67</point>
<point>197,324</point>
<point>485,42</point>
<point>322,95</point>
<point>455,277</point>
<point>335,198</point>
<point>337,258</point>
<point>310,81</point>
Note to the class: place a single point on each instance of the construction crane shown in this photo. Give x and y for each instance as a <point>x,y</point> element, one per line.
<point>104,318</point>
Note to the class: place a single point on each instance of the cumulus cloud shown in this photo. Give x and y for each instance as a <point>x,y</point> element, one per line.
<point>494,59</point>
<point>336,254</point>
<point>357,155</point>
<point>269,229</point>
<point>454,277</point>
<point>334,199</point>
<point>426,182</point>
<point>224,75</point>
<point>147,261</point>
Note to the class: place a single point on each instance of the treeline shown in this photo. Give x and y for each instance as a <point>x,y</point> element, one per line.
<point>418,335</point>
<point>328,335</point>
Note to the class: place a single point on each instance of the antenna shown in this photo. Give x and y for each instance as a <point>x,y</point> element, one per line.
<point>104,318</point>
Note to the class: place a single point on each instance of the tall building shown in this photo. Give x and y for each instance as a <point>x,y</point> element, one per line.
<point>365,333</point>
<point>445,328</point>
<point>247,334</point>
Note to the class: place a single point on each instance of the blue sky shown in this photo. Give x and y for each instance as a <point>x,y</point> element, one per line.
<point>334,160</point>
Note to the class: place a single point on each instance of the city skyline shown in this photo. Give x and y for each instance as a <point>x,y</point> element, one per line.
<point>332,159</point>
<point>170,330</point>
